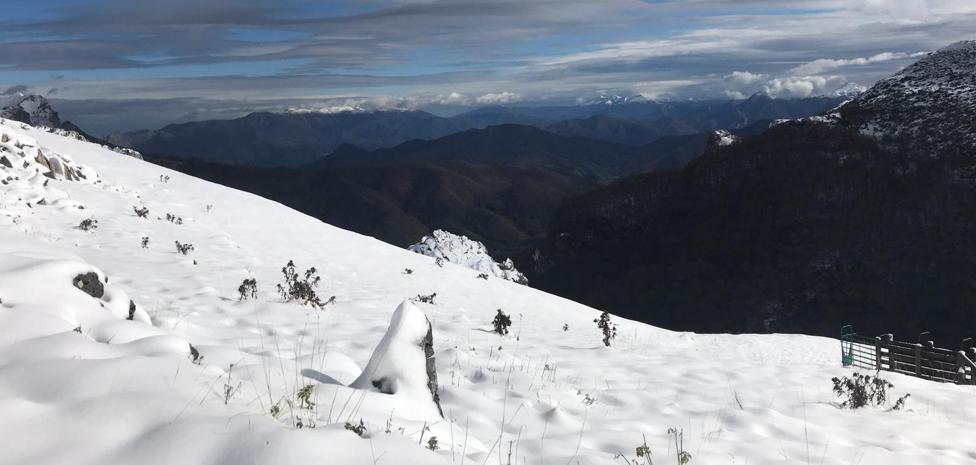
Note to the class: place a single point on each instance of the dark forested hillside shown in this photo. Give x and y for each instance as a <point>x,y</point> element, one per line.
<point>499,185</point>
<point>801,229</point>
<point>864,216</point>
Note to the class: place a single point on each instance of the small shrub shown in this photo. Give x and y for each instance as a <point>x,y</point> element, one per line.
<point>425,299</point>
<point>501,322</point>
<point>643,453</point>
<point>432,443</point>
<point>864,390</point>
<point>296,288</point>
<point>248,289</point>
<point>305,397</point>
<point>183,249</point>
<point>359,429</point>
<point>483,276</point>
<point>439,262</point>
<point>88,224</point>
<point>141,212</point>
<point>174,219</point>
<point>608,328</point>
<point>145,242</point>
<point>682,456</point>
<point>407,271</point>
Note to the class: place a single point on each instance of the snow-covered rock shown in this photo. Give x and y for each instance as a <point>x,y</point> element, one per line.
<point>460,250</point>
<point>403,363</point>
<point>722,138</point>
<point>31,109</point>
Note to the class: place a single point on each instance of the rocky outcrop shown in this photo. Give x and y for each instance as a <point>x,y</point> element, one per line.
<point>34,110</point>
<point>460,250</point>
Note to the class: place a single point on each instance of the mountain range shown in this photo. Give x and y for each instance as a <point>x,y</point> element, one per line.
<point>297,138</point>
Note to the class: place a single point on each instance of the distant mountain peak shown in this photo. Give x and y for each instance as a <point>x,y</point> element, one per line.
<point>32,109</point>
<point>615,99</point>
<point>851,89</point>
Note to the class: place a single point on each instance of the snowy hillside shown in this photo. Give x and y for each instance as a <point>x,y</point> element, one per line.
<point>929,106</point>
<point>112,353</point>
<point>451,248</point>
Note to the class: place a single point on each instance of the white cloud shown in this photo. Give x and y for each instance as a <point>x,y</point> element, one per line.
<point>801,86</point>
<point>827,64</point>
<point>495,98</point>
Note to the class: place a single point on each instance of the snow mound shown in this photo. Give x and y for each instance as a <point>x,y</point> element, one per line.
<point>460,250</point>
<point>403,363</point>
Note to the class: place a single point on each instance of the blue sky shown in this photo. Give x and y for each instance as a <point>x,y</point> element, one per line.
<point>103,60</point>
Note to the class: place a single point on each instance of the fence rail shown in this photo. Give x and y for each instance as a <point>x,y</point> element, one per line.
<point>920,360</point>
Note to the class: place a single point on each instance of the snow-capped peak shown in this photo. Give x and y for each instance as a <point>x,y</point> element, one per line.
<point>32,109</point>
<point>851,89</point>
<point>615,99</point>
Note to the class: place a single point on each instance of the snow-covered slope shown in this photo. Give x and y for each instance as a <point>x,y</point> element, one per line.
<point>929,107</point>
<point>125,391</point>
<point>460,250</point>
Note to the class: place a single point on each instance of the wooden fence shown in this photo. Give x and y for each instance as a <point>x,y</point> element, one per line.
<point>920,360</point>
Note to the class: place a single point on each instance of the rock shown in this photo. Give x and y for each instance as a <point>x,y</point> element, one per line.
<point>90,284</point>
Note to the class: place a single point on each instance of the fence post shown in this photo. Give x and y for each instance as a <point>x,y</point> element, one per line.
<point>918,360</point>
<point>877,352</point>
<point>961,367</point>
<point>971,355</point>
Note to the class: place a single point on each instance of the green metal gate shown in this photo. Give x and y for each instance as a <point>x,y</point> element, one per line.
<point>857,350</point>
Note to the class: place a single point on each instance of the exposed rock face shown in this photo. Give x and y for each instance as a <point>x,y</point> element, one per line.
<point>31,109</point>
<point>927,108</point>
<point>428,344</point>
<point>90,284</point>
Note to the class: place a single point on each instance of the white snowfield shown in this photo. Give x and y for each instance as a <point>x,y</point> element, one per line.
<point>126,391</point>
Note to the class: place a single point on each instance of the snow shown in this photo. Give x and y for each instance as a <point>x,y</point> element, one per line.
<point>125,391</point>
<point>851,89</point>
<point>398,366</point>
<point>470,253</point>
